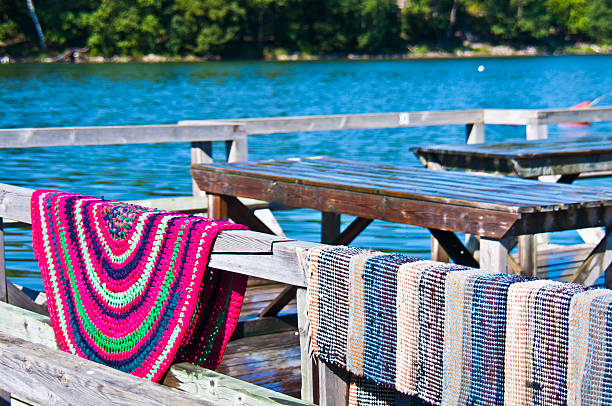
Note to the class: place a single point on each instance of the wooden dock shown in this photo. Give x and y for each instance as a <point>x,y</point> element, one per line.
<point>270,347</point>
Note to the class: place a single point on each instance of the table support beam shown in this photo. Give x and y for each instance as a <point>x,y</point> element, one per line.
<point>454,247</point>
<point>598,262</point>
<point>352,231</point>
<point>237,211</point>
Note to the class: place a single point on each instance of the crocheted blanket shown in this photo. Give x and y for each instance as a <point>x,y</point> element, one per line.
<point>129,287</point>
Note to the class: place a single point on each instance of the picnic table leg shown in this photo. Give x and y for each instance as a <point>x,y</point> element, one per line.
<point>217,207</point>
<point>528,255</point>
<point>494,254</point>
<point>330,227</point>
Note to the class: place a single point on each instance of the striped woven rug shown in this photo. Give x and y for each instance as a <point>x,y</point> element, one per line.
<point>475,337</point>
<point>129,287</point>
<point>589,372</point>
<point>380,316</point>
<point>537,342</point>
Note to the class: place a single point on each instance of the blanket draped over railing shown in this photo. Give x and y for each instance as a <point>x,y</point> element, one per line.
<point>129,287</point>
<point>411,332</point>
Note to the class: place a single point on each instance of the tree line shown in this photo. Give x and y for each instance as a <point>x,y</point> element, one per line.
<point>251,28</point>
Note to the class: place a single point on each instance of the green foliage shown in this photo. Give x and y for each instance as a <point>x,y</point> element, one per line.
<point>238,28</point>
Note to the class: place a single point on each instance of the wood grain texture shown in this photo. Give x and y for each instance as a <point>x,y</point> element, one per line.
<point>115,135</point>
<point>275,125</point>
<point>308,365</point>
<point>224,390</point>
<point>333,385</point>
<point>39,374</point>
<point>27,325</point>
<point>3,287</point>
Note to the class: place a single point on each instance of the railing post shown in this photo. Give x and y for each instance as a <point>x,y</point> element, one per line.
<point>3,287</point>
<point>475,133</point>
<point>237,149</point>
<point>535,130</point>
<point>201,153</point>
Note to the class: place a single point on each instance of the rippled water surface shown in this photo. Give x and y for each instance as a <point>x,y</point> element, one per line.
<point>76,95</point>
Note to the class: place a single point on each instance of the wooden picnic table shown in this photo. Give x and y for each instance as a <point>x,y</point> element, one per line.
<point>498,209</point>
<point>568,157</point>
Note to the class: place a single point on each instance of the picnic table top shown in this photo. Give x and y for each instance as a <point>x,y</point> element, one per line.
<point>526,159</point>
<point>440,199</point>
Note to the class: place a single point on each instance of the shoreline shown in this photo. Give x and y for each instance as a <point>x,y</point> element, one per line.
<point>79,55</point>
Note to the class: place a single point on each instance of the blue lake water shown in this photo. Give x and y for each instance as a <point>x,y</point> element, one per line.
<point>36,95</point>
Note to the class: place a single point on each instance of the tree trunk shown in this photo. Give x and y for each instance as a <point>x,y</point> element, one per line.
<point>36,24</point>
<point>260,29</point>
<point>451,22</point>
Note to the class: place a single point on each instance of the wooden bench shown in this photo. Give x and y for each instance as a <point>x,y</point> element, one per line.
<point>568,158</point>
<point>497,209</point>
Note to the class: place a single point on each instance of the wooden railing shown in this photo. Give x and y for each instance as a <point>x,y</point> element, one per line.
<point>536,121</point>
<point>31,368</point>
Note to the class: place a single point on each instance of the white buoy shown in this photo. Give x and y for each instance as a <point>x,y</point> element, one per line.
<point>481,68</point>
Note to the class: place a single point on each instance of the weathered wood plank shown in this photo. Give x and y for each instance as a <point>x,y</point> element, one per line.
<point>27,325</point>
<point>274,125</point>
<point>224,390</point>
<point>333,385</point>
<point>308,364</point>
<point>286,263</point>
<point>3,287</point>
<point>18,298</point>
<point>409,210</point>
<point>39,374</point>
<point>113,135</point>
<point>15,203</point>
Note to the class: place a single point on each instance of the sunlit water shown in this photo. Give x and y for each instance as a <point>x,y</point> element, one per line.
<point>77,95</point>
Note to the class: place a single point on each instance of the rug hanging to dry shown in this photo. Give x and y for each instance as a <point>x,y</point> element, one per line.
<point>129,287</point>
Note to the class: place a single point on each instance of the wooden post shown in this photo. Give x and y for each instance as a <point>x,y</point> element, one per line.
<point>493,255</point>
<point>237,149</point>
<point>217,207</point>
<point>201,153</point>
<point>330,227</point>
<point>437,252</point>
<point>3,286</point>
<point>308,365</point>
<point>536,131</point>
<point>475,133</point>
<point>528,255</point>
<point>333,385</point>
